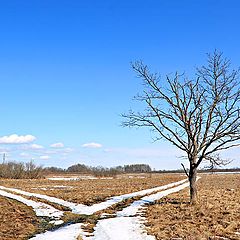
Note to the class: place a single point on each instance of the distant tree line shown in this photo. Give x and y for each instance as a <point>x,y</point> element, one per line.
<point>102,171</point>
<point>20,170</point>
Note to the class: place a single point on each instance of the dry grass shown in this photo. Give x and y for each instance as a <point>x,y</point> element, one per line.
<point>218,212</point>
<point>17,221</point>
<point>91,191</point>
<point>217,216</point>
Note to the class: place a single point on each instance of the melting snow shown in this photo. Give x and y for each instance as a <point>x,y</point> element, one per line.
<point>41,209</point>
<point>88,210</point>
<point>126,226</point>
<point>70,232</point>
<point>120,228</point>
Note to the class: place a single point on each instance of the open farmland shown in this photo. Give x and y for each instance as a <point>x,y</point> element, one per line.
<point>171,217</point>
<point>87,191</point>
<point>217,216</point>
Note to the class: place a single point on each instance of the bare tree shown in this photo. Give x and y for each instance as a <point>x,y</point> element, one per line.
<point>200,116</point>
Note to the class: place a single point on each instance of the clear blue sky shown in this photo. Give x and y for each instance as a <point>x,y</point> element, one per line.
<point>65,73</point>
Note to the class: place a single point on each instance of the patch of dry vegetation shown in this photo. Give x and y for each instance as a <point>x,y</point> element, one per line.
<point>81,191</point>
<point>17,221</point>
<point>91,191</point>
<point>217,216</point>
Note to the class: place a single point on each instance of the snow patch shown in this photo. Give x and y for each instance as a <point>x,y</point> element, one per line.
<point>70,232</point>
<point>120,228</point>
<point>41,209</point>
<point>89,210</point>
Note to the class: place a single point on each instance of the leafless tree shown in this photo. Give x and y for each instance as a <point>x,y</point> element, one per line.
<point>200,116</point>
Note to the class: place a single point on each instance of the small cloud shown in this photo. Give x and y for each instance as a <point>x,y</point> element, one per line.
<point>57,145</point>
<point>35,146</point>
<point>16,139</point>
<point>44,157</point>
<point>92,145</point>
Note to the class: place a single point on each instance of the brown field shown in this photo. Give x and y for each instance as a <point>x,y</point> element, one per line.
<point>217,216</point>
<point>92,190</point>
<point>80,191</point>
<point>17,221</point>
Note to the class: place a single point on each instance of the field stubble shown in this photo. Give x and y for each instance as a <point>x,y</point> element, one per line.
<point>18,221</point>
<point>217,216</point>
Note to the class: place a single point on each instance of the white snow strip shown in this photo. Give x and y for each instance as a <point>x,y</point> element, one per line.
<point>62,186</point>
<point>120,228</point>
<point>70,232</point>
<point>41,209</point>
<point>45,197</point>
<point>64,178</point>
<point>103,205</point>
<point>125,227</point>
<point>135,206</point>
<point>88,210</point>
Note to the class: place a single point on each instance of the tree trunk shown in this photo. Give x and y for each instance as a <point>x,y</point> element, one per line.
<point>193,186</point>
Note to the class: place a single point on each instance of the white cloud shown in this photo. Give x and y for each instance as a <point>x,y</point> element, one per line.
<point>35,146</point>
<point>92,145</point>
<point>57,145</point>
<point>16,139</point>
<point>45,157</point>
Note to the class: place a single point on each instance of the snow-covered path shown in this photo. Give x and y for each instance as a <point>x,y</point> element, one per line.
<point>120,228</point>
<point>41,209</point>
<point>127,225</point>
<point>70,232</point>
<point>89,210</point>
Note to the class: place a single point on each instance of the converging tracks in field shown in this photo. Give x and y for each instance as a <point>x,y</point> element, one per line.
<point>126,225</point>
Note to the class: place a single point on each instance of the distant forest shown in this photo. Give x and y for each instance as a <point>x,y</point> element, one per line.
<point>102,171</point>
<point>20,170</point>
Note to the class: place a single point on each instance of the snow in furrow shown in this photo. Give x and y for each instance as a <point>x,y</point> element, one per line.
<point>125,226</point>
<point>70,232</point>
<point>45,197</point>
<point>120,228</point>
<point>41,209</point>
<point>88,210</point>
<point>136,205</point>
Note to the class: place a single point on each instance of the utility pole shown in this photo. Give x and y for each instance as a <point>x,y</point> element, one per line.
<point>4,157</point>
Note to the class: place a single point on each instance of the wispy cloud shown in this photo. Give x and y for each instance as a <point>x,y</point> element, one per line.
<point>92,145</point>
<point>16,139</point>
<point>35,146</point>
<point>57,145</point>
<point>45,157</point>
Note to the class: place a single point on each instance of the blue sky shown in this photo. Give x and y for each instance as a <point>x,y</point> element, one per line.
<point>65,73</point>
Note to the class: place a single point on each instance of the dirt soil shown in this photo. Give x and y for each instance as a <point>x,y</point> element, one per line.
<point>217,216</point>
<point>17,221</point>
